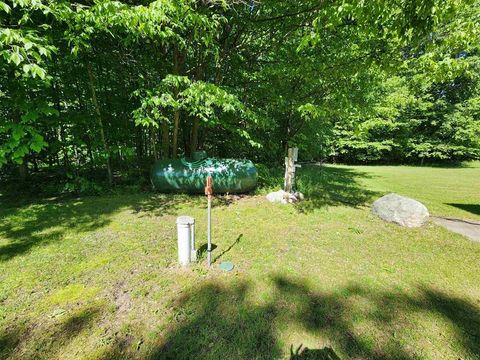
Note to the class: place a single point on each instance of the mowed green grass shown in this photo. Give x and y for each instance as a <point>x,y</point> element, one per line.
<point>96,277</point>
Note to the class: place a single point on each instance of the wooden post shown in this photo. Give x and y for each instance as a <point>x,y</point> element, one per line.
<point>290,169</point>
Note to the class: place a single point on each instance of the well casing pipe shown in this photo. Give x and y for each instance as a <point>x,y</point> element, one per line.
<point>184,235</point>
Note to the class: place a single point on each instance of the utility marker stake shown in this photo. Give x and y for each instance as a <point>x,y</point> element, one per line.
<point>209,194</point>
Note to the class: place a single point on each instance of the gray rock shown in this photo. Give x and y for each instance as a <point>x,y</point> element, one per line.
<point>283,197</point>
<point>299,195</point>
<point>277,197</point>
<point>401,210</point>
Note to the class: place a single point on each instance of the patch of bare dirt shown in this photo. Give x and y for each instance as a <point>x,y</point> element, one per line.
<point>122,299</point>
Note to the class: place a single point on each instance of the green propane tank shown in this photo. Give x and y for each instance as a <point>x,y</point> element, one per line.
<point>182,175</point>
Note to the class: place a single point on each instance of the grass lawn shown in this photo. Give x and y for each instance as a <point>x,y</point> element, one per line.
<point>96,277</point>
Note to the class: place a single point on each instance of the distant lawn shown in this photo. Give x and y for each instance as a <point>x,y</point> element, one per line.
<point>96,277</point>
<point>445,191</point>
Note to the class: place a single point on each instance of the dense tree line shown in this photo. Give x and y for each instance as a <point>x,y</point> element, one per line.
<point>104,87</point>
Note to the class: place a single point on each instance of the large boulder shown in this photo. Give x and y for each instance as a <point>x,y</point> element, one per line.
<point>401,210</point>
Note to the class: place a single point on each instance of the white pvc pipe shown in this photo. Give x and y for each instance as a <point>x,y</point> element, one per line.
<point>184,232</point>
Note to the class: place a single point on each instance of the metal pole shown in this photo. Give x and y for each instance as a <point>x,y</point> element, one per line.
<point>209,230</point>
<point>209,193</point>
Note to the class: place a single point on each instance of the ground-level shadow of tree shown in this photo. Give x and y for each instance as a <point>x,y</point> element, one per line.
<point>35,341</point>
<point>41,222</point>
<point>463,316</point>
<point>471,208</point>
<point>331,186</point>
<point>216,321</point>
<point>334,315</point>
<point>220,323</point>
<point>305,353</point>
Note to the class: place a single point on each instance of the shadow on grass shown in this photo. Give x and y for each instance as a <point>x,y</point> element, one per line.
<point>38,342</point>
<point>29,225</point>
<point>221,322</point>
<point>471,208</point>
<point>160,204</point>
<point>156,204</point>
<point>448,165</point>
<point>464,317</point>
<point>332,186</point>
<point>230,247</point>
<point>214,321</point>
<point>203,250</point>
<point>302,353</point>
<point>26,225</point>
<point>223,325</point>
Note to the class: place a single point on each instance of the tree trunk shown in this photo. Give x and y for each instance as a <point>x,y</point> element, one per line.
<point>194,139</point>
<point>61,132</point>
<point>175,133</point>
<point>91,82</point>
<point>165,140</point>
<point>200,75</point>
<point>286,138</point>
<point>61,139</point>
<point>35,163</point>
<point>177,60</point>
<point>153,139</point>
<point>22,168</point>
<point>138,143</point>
<point>23,171</point>
<point>90,153</point>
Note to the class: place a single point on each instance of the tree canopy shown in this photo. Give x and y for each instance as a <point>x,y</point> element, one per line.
<point>89,86</point>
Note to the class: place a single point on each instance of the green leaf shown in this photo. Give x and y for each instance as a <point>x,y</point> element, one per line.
<point>4,7</point>
<point>38,71</point>
<point>19,154</point>
<point>26,68</point>
<point>16,58</point>
<point>30,115</point>
<point>37,144</point>
<point>18,133</point>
